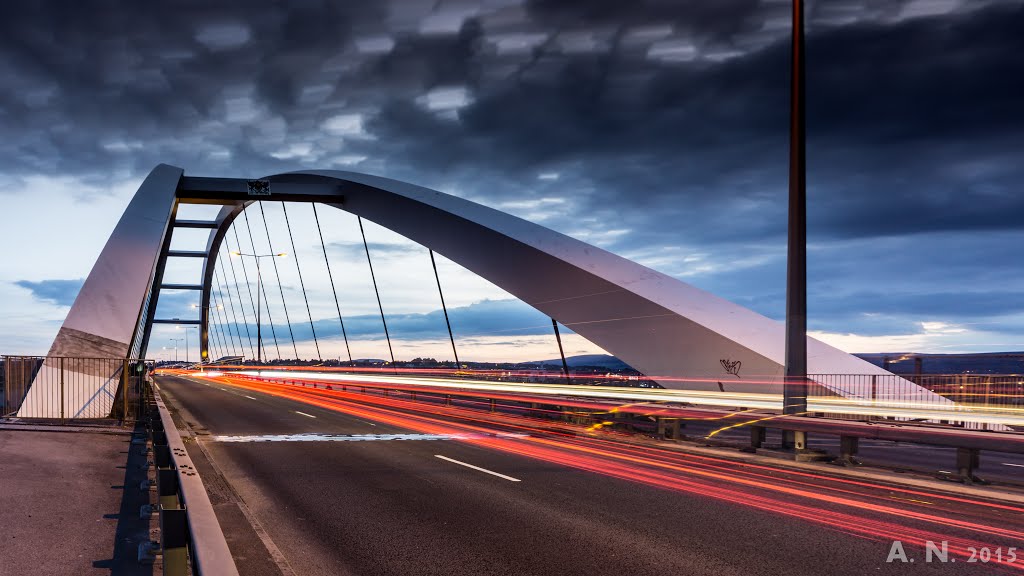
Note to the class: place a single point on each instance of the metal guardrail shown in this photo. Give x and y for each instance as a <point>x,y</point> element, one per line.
<point>62,389</point>
<point>190,534</point>
<point>990,390</point>
<point>973,401</point>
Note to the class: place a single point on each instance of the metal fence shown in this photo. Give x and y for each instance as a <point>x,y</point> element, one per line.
<point>65,389</point>
<point>969,400</point>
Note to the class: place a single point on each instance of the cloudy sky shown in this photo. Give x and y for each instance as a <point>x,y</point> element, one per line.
<point>656,129</point>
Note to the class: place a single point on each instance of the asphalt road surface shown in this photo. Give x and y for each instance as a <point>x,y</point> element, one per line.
<point>360,499</point>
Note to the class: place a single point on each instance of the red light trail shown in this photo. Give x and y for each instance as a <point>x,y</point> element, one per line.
<point>868,508</point>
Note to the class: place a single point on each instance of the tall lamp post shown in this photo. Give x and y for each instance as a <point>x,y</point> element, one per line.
<point>794,392</point>
<point>259,297</point>
<point>176,340</point>
<point>187,328</point>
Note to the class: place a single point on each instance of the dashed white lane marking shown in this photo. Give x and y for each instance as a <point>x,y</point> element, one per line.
<point>304,414</point>
<point>1014,465</point>
<point>358,437</point>
<point>249,397</point>
<point>484,470</point>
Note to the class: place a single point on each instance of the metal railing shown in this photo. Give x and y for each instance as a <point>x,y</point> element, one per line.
<point>191,539</point>
<point>63,389</point>
<point>970,400</point>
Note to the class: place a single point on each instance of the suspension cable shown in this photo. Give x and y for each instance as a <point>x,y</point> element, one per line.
<point>220,298</point>
<point>376,291</point>
<point>241,301</point>
<point>231,299</point>
<point>211,334</point>
<point>444,308</point>
<point>222,323</point>
<point>248,286</point>
<point>273,261</point>
<point>270,318</point>
<point>565,365</point>
<point>212,346</point>
<point>227,323</point>
<point>295,256</point>
<point>330,276</point>
<point>231,304</point>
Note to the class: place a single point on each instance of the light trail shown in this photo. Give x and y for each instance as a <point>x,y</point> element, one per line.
<point>871,513</point>
<point>907,410</point>
<point>916,404</point>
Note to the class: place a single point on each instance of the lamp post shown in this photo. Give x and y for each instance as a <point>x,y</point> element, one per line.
<point>259,297</point>
<point>794,392</point>
<point>176,340</point>
<point>187,328</point>
<point>205,311</point>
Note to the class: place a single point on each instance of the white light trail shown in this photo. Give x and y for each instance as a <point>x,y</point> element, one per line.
<point>996,417</point>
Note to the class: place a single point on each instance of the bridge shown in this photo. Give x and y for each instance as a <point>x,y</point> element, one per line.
<point>677,335</point>
<point>401,468</point>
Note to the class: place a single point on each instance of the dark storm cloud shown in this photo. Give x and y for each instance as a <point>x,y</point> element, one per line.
<point>59,292</point>
<point>875,286</point>
<point>155,75</point>
<point>665,121</point>
<point>87,82</point>
<point>910,124</point>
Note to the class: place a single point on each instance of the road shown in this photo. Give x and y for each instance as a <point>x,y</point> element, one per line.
<point>996,467</point>
<point>533,501</point>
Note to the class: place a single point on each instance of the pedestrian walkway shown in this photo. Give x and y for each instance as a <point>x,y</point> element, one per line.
<point>63,508</point>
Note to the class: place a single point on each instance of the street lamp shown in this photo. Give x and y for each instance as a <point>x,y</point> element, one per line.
<point>186,328</point>
<point>176,340</point>
<point>259,296</point>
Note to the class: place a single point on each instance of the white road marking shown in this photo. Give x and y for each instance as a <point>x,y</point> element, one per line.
<point>249,397</point>
<point>304,414</point>
<point>358,437</point>
<point>484,470</point>
<point>1015,465</point>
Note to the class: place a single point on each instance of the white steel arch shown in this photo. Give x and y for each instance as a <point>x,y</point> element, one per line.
<point>678,335</point>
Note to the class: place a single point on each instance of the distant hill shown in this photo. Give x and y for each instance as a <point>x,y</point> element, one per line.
<point>606,361</point>
<point>981,363</point>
